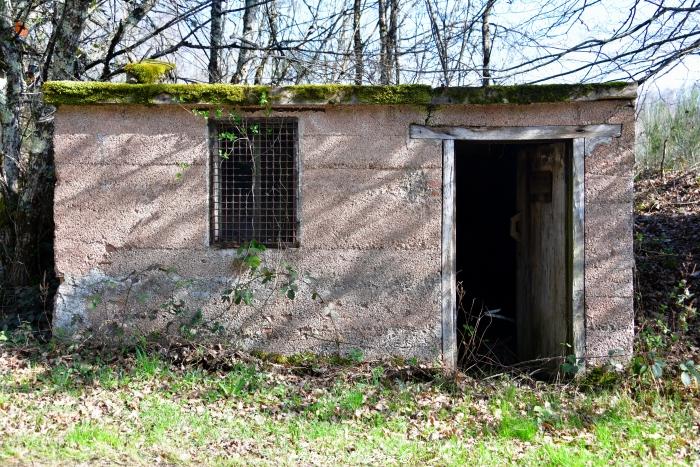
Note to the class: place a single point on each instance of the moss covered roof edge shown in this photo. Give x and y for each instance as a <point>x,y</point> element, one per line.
<point>84,93</point>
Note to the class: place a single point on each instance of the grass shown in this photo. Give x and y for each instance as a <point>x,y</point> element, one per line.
<point>58,407</point>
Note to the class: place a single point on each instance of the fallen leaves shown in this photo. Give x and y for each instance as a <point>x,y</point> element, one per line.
<point>364,413</point>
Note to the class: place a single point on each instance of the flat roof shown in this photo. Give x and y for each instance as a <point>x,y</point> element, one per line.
<point>89,93</point>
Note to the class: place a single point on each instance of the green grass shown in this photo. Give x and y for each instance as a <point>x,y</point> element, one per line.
<point>141,409</point>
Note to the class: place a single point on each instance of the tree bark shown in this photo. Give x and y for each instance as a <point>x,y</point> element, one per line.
<point>243,63</point>
<point>383,72</point>
<point>27,221</point>
<point>392,39</point>
<point>11,140</point>
<point>215,31</point>
<point>271,14</point>
<point>397,68</point>
<point>10,109</point>
<point>486,43</point>
<point>61,61</point>
<point>357,41</point>
<point>440,45</point>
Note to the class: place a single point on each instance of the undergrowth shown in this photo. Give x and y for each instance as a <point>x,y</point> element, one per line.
<point>190,405</point>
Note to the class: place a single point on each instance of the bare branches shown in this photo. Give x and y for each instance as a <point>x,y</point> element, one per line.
<point>137,13</point>
<point>390,41</point>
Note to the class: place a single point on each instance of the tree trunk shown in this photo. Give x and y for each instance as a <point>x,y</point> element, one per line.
<point>486,43</point>
<point>271,15</point>
<point>395,42</point>
<point>392,38</point>
<point>10,109</point>
<point>357,41</point>
<point>383,68</point>
<point>62,51</point>
<point>33,216</point>
<point>440,44</point>
<point>243,63</point>
<point>215,33</point>
<point>11,139</point>
<point>277,72</point>
<point>26,220</point>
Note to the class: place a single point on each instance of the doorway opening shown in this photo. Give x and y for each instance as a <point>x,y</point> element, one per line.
<point>511,255</point>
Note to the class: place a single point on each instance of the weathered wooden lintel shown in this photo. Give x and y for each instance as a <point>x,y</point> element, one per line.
<point>502,133</point>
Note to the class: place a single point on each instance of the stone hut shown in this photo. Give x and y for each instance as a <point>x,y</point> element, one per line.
<point>394,215</point>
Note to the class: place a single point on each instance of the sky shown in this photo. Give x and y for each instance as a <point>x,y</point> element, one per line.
<point>600,19</point>
<point>684,74</point>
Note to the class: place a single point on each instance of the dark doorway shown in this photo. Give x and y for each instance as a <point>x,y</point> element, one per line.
<point>511,251</point>
<point>486,187</point>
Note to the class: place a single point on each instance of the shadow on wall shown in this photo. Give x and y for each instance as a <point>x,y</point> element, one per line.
<point>131,237</point>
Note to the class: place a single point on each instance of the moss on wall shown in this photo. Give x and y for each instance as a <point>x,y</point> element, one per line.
<point>526,94</point>
<point>70,92</point>
<point>417,94</point>
<point>149,71</point>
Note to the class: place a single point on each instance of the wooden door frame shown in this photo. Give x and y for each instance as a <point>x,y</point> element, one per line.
<point>581,140</point>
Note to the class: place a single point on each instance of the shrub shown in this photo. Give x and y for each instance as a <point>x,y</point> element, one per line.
<point>670,133</point>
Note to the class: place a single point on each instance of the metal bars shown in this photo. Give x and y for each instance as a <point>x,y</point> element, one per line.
<point>254,181</point>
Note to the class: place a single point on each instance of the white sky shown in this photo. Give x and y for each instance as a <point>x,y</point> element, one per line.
<point>600,20</point>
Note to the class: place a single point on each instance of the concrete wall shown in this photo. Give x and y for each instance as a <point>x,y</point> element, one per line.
<point>132,236</point>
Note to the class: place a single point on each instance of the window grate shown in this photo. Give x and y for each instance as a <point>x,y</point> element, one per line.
<point>254,181</point>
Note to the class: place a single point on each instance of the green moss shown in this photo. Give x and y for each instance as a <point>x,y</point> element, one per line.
<point>149,71</point>
<point>523,94</point>
<point>417,94</point>
<point>69,92</point>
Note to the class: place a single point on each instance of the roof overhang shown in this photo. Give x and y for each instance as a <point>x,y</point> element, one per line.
<point>323,95</point>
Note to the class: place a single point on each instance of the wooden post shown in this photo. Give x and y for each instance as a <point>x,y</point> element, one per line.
<point>577,247</point>
<point>449,284</point>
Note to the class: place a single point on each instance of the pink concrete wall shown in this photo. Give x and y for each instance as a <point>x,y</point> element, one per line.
<point>130,232</point>
<point>609,250</point>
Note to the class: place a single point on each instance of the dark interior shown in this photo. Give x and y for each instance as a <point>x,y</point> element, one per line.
<point>486,184</point>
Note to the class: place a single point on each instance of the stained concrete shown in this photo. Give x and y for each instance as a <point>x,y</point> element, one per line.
<point>132,226</point>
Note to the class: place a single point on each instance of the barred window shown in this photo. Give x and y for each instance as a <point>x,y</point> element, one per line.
<point>254,181</point>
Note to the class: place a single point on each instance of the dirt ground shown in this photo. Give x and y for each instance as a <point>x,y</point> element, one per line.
<point>667,250</point>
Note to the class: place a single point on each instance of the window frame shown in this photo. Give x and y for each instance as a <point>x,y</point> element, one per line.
<point>214,126</point>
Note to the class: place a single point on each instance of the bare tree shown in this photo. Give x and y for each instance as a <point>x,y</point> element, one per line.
<point>215,33</point>
<point>392,42</point>
<point>246,39</point>
<point>357,41</point>
<point>486,42</point>
<point>10,102</point>
<point>383,43</point>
